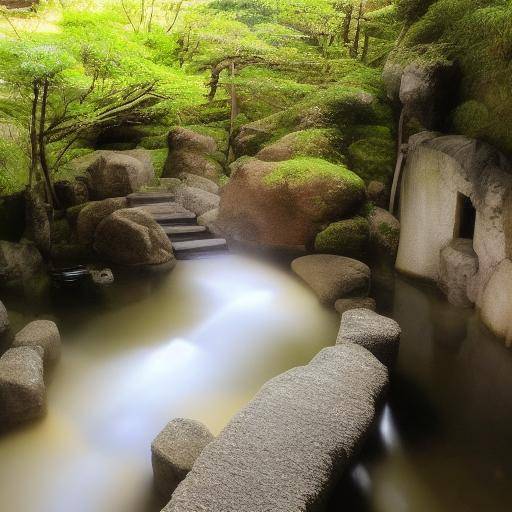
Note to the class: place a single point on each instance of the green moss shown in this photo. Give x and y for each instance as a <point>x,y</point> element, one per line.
<point>369,132</point>
<point>346,238</point>
<point>220,135</point>
<point>472,119</point>
<point>303,169</point>
<point>390,233</point>
<point>158,157</point>
<point>372,159</point>
<point>154,142</point>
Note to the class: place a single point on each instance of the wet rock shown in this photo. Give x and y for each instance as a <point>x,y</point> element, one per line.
<point>174,451</point>
<point>342,305</point>
<point>458,265</point>
<point>19,263</point>
<point>376,333</point>
<point>333,277</point>
<point>132,237</point>
<point>384,234</point>
<point>196,200</point>
<point>284,450</point>
<point>37,223</point>
<point>42,333</point>
<point>22,391</point>
<point>103,276</point>
<point>4,318</point>
<point>116,174</point>
<point>278,203</point>
<point>90,216</point>
<point>192,180</point>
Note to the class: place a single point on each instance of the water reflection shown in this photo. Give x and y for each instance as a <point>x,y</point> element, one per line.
<point>198,343</point>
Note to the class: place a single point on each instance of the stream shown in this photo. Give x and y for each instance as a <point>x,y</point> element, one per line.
<point>200,341</point>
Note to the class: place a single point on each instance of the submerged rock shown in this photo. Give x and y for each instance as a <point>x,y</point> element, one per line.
<point>284,204</point>
<point>458,265</point>
<point>342,305</point>
<point>174,451</point>
<point>42,333</point>
<point>333,277</point>
<point>22,391</point>
<point>132,237</point>
<point>376,333</point>
<point>196,200</point>
<point>284,450</point>
<point>103,276</point>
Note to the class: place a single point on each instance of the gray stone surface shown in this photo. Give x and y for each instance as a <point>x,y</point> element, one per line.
<point>22,390</point>
<point>376,333</point>
<point>210,221</point>
<point>193,180</point>
<point>342,305</point>
<point>116,174</point>
<point>103,276</point>
<point>92,214</point>
<point>283,451</point>
<point>384,234</point>
<point>4,318</point>
<point>458,265</point>
<point>42,333</point>
<point>197,200</point>
<point>333,277</point>
<point>132,237</point>
<point>174,451</point>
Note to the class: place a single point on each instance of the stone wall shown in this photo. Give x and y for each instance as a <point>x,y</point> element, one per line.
<point>439,169</point>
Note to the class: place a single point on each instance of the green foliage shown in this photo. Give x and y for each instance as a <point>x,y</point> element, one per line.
<point>302,169</point>
<point>345,238</point>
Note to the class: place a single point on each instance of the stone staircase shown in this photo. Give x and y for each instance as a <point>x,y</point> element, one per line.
<point>189,240</point>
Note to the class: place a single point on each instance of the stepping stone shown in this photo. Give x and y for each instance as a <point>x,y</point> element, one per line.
<point>162,208</point>
<point>175,218</point>
<point>143,198</point>
<point>192,248</point>
<point>181,233</point>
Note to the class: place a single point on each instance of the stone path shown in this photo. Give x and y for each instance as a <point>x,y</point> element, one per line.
<point>189,240</point>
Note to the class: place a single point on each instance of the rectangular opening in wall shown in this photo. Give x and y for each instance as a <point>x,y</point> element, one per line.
<point>466,217</point>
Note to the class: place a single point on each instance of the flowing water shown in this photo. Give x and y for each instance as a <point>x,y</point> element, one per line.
<point>200,342</point>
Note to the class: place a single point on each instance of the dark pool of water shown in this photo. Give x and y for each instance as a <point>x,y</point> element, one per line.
<point>201,341</point>
<point>444,438</point>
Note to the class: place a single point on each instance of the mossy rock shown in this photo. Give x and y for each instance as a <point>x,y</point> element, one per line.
<point>372,159</point>
<point>472,119</point>
<point>345,238</point>
<point>315,142</point>
<point>60,231</point>
<point>154,142</point>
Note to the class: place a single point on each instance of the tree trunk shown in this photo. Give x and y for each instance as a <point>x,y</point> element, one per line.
<point>42,146</point>
<point>214,82</point>
<point>346,24</point>
<point>234,110</point>
<point>33,135</point>
<point>366,45</point>
<point>355,46</point>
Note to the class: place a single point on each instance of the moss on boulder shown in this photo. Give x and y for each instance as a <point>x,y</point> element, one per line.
<point>372,159</point>
<point>285,203</point>
<point>347,237</point>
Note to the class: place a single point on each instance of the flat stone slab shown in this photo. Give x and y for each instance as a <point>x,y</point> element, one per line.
<point>144,198</point>
<point>194,247</point>
<point>175,218</point>
<point>333,277</point>
<point>184,230</point>
<point>378,334</point>
<point>285,449</point>
<point>162,208</point>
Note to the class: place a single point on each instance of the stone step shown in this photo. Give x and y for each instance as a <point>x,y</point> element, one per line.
<point>175,219</point>
<point>195,248</point>
<point>162,208</point>
<point>143,198</point>
<point>184,232</point>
